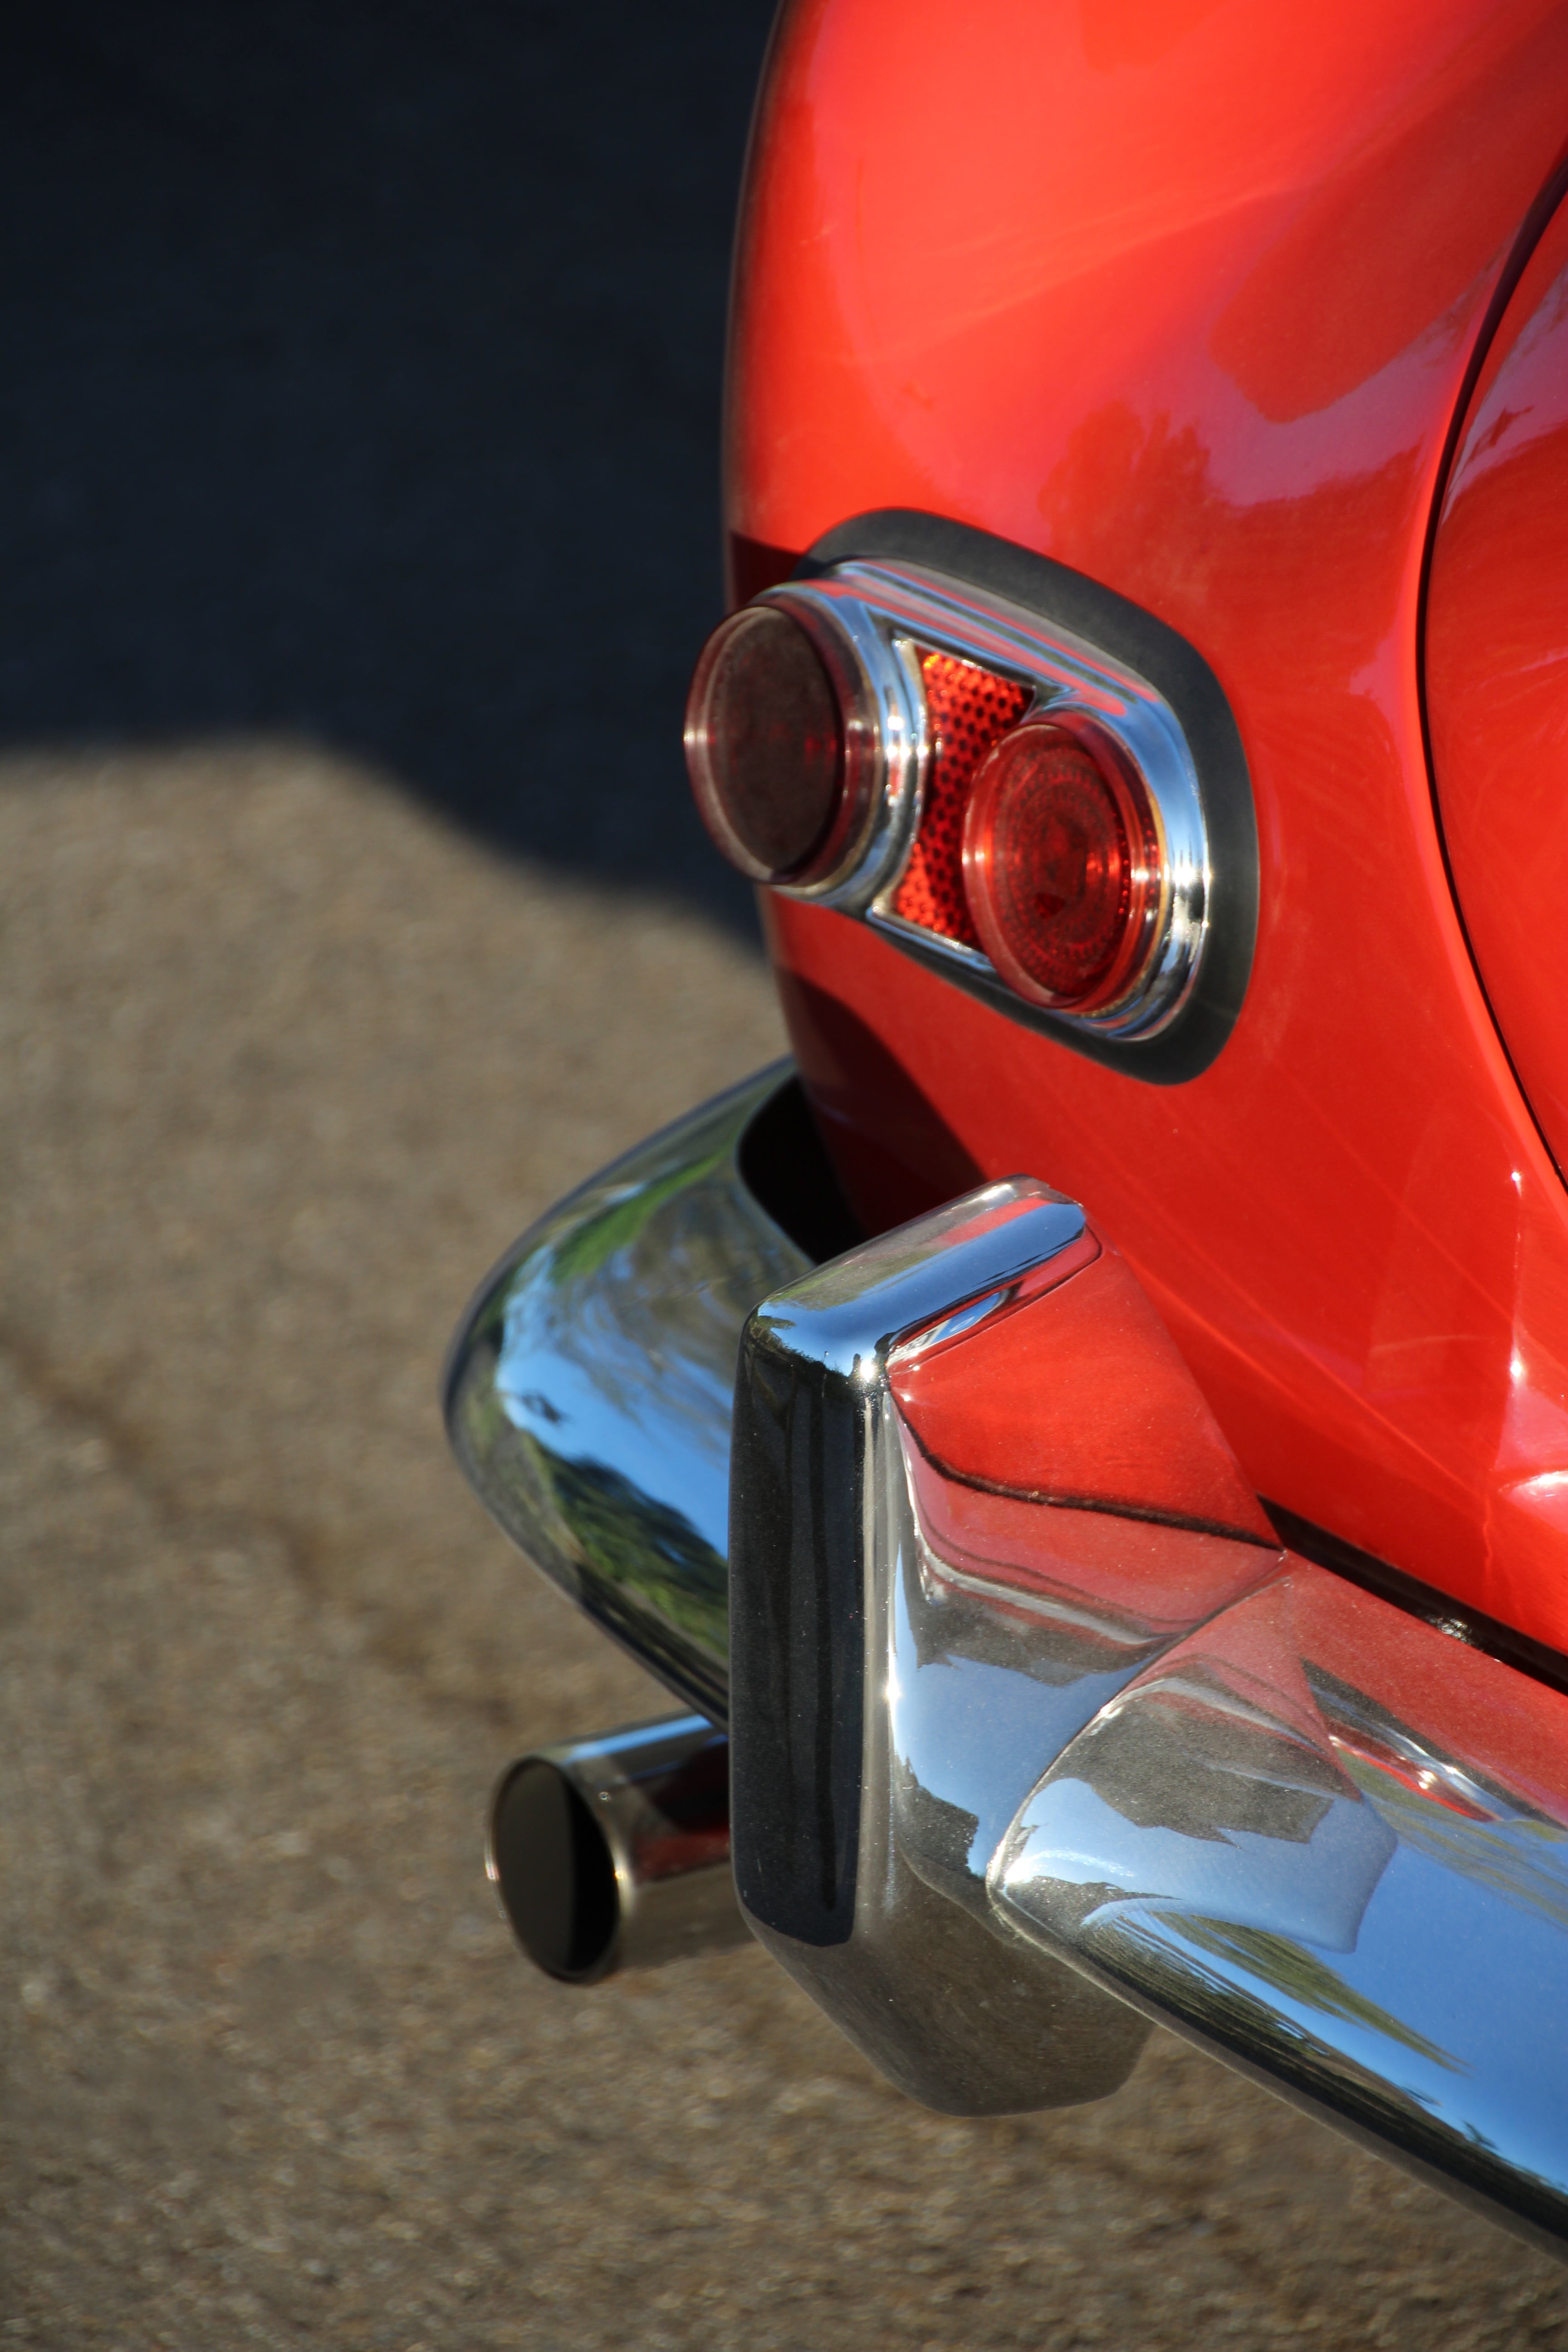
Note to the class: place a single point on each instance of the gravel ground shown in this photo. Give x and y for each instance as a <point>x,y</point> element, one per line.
<point>285,1061</point>
<point>355,466</point>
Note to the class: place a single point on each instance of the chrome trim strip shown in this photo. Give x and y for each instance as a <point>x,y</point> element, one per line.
<point>588,1390</point>
<point>996,1746</point>
<point>899,605</point>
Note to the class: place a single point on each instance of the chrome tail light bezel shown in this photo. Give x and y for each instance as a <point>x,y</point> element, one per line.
<point>873,621</point>
<point>875,675</point>
<point>882,722</point>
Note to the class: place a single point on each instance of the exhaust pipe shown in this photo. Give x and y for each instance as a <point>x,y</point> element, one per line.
<point>614,1853</point>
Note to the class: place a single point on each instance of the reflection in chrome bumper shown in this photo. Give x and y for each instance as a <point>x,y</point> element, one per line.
<point>1332,1844</point>
<point>1026,1694</point>
<point>589,1387</point>
<point>1030,1750</point>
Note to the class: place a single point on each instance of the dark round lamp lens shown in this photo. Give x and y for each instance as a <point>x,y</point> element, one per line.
<point>764,742</point>
<point>554,1873</point>
<point>1059,863</point>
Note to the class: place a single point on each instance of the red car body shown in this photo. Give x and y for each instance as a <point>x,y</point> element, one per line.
<point>1219,307</point>
<point>1092,1574</point>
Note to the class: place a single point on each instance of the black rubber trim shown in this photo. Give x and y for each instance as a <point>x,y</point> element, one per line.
<point>1176,669</point>
<point>797,1647</point>
<point>1477,1631</point>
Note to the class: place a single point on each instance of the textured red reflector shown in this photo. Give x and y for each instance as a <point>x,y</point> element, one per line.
<point>1061,866</point>
<point>966,710</point>
<point>765,749</point>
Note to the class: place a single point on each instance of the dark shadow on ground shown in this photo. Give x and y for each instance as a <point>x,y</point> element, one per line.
<point>360,381</point>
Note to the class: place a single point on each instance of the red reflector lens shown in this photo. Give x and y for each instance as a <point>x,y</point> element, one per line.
<point>967,707</point>
<point>765,745</point>
<point>1061,867</point>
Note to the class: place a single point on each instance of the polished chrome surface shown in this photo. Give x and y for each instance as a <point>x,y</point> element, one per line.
<point>1089,1707</point>
<point>1038,1733</point>
<point>902,607</point>
<point>614,1853</point>
<point>895,1691</point>
<point>588,1390</point>
<point>976,1256</point>
<point>876,673</point>
<point>1333,1843</point>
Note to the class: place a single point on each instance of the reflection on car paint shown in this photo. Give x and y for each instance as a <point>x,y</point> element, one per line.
<point>1349,1220</point>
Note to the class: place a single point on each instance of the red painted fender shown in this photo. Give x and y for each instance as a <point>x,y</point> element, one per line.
<point>1188,297</point>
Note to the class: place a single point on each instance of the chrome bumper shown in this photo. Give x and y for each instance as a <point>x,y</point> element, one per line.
<point>588,1388</point>
<point>1037,1732</point>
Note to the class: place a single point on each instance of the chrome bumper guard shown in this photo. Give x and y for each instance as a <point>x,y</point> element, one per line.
<point>1038,1733</point>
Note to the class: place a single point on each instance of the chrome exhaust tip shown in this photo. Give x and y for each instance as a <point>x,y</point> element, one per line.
<point>614,1853</point>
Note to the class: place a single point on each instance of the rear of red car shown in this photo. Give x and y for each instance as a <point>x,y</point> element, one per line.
<point>1095,1434</point>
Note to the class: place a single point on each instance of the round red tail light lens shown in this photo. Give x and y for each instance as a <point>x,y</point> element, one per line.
<point>1062,866</point>
<point>766,745</point>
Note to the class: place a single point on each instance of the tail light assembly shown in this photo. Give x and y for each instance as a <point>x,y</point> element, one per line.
<point>979,783</point>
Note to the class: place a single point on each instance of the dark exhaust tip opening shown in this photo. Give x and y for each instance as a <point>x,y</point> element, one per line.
<point>554,1873</point>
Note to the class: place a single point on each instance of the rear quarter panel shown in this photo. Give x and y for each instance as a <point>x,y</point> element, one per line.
<point>1187,297</point>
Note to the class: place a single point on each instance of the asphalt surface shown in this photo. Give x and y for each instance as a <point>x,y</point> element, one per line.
<point>341,928</point>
